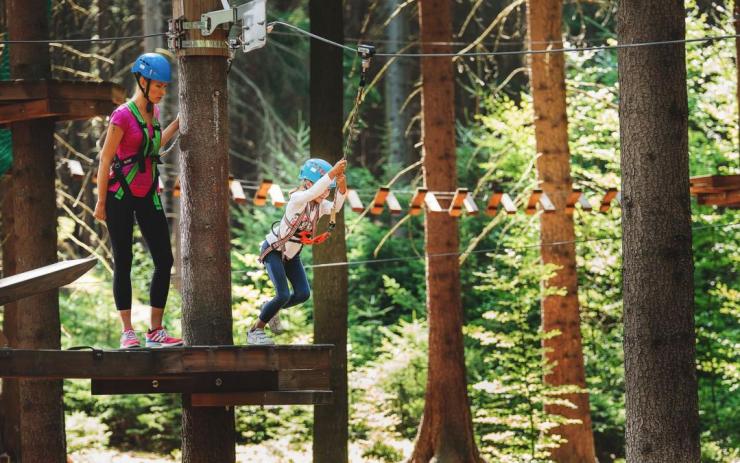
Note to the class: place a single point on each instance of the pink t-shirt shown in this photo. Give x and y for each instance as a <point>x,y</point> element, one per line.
<point>129,146</point>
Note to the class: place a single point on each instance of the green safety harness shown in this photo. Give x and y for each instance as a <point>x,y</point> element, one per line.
<point>149,149</point>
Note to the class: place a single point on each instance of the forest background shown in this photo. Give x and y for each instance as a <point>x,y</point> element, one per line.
<point>500,262</point>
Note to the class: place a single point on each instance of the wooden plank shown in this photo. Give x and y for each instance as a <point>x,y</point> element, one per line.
<point>43,279</point>
<point>262,398</point>
<point>66,110</point>
<point>24,111</point>
<point>20,89</point>
<point>155,363</point>
<point>286,380</point>
<point>728,198</point>
<point>713,183</point>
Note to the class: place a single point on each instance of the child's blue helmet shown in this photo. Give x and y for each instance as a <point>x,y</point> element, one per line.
<point>153,66</point>
<point>314,169</point>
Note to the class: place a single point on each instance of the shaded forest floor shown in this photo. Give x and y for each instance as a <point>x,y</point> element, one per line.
<point>274,451</point>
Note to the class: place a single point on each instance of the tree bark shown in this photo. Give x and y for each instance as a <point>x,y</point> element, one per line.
<point>207,433</point>
<point>330,297</point>
<point>446,431</point>
<point>564,352</point>
<point>34,409</point>
<point>662,422</point>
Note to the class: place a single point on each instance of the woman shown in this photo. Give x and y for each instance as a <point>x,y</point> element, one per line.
<point>127,189</point>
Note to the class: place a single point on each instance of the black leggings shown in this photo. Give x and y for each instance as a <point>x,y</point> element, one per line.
<point>153,225</point>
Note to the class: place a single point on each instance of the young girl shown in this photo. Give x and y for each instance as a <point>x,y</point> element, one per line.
<point>127,189</point>
<point>282,246</point>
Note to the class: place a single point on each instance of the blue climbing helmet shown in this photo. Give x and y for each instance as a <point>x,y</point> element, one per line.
<point>314,169</point>
<point>153,66</point>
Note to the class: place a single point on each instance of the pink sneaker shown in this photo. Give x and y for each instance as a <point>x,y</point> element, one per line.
<point>159,338</point>
<point>129,340</point>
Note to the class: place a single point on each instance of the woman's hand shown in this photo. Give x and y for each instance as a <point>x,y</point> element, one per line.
<point>338,169</point>
<point>100,211</point>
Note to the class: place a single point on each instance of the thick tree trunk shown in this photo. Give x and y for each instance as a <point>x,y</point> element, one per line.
<point>34,409</point>
<point>207,433</point>
<point>34,412</point>
<point>659,338</point>
<point>560,313</point>
<point>446,432</point>
<point>330,427</point>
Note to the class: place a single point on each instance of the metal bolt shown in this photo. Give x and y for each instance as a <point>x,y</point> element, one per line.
<point>219,382</point>
<point>155,383</point>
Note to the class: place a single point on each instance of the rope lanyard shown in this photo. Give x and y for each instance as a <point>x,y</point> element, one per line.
<point>366,52</point>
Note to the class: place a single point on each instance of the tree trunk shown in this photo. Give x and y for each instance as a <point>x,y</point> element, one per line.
<point>397,87</point>
<point>34,409</point>
<point>565,352</point>
<point>207,433</point>
<point>737,59</point>
<point>330,426</point>
<point>446,432</point>
<point>662,422</point>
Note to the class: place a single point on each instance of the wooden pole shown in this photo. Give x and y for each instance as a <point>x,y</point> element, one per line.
<point>34,428</point>
<point>207,433</point>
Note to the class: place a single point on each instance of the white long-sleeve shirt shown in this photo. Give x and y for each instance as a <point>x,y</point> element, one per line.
<point>301,209</point>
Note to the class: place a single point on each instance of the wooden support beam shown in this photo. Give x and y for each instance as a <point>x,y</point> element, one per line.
<point>380,198</point>
<point>456,205</point>
<point>43,279</point>
<point>493,202</point>
<point>570,204</point>
<point>354,201</point>
<point>727,199</point>
<point>253,381</point>
<point>606,202</point>
<point>418,201</point>
<point>714,183</point>
<point>276,195</point>
<point>156,363</point>
<point>262,398</point>
<point>260,197</point>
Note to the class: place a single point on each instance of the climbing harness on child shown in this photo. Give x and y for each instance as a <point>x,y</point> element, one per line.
<point>151,66</point>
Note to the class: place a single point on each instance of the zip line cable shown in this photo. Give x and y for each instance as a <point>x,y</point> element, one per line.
<point>90,40</point>
<point>404,55</point>
<point>503,53</point>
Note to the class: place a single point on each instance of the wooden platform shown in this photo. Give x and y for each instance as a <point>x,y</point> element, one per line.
<point>209,376</point>
<point>717,190</point>
<point>22,100</point>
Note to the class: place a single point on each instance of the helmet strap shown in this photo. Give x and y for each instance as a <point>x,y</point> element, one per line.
<point>149,104</point>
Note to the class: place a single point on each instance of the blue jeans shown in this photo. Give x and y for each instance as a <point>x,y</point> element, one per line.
<point>280,271</point>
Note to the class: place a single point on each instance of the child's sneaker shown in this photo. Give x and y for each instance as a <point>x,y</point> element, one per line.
<point>159,338</point>
<point>276,326</point>
<point>259,337</point>
<point>129,340</point>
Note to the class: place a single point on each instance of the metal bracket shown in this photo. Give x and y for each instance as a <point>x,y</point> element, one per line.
<point>253,21</point>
